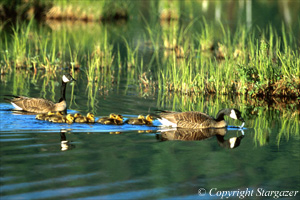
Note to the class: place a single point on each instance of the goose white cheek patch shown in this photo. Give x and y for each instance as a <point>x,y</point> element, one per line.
<point>65,79</point>
<point>232,142</point>
<point>233,114</point>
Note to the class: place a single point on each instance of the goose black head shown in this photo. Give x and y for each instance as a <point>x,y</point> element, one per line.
<point>236,114</point>
<point>67,78</point>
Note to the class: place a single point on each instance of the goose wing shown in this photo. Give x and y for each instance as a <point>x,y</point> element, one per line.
<point>190,119</point>
<point>38,105</point>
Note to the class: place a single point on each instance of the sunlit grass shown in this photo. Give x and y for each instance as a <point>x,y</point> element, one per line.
<point>252,62</point>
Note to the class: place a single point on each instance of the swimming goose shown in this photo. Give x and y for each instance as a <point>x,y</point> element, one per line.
<point>40,105</point>
<point>113,119</point>
<point>194,119</point>
<point>89,118</point>
<point>141,120</point>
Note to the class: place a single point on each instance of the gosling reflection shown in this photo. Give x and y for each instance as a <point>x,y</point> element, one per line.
<point>64,143</point>
<point>201,134</point>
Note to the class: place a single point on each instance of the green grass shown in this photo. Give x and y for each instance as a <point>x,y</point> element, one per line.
<point>214,60</point>
<point>240,64</point>
<point>196,65</point>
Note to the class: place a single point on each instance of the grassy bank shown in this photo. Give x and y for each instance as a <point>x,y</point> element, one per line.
<point>216,60</point>
<point>212,60</point>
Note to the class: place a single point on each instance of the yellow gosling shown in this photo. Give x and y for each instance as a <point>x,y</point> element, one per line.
<point>113,119</point>
<point>69,119</point>
<point>141,120</point>
<point>44,115</point>
<point>149,120</point>
<point>104,119</point>
<point>62,119</point>
<point>89,118</point>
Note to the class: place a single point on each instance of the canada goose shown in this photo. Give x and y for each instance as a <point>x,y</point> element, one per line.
<point>141,120</point>
<point>89,118</point>
<point>62,119</point>
<point>193,119</point>
<point>44,115</point>
<point>113,119</point>
<point>40,105</point>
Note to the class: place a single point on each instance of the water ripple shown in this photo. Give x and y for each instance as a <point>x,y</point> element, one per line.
<point>16,186</point>
<point>62,192</point>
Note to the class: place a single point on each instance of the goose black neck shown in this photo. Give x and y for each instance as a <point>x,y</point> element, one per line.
<point>221,114</point>
<point>63,91</point>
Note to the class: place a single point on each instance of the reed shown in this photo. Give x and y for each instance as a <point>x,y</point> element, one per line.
<point>257,70</point>
<point>193,59</point>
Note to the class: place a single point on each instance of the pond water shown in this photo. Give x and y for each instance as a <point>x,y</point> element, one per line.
<point>42,160</point>
<point>140,162</point>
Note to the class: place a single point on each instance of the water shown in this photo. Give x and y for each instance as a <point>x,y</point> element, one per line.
<point>120,162</point>
<point>42,160</point>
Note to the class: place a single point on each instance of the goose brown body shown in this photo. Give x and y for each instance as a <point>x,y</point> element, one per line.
<point>195,120</point>
<point>37,105</point>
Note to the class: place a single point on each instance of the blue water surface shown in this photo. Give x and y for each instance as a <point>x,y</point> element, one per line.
<point>94,161</point>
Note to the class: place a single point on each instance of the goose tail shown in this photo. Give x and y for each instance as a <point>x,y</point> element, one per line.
<point>166,123</point>
<point>9,97</point>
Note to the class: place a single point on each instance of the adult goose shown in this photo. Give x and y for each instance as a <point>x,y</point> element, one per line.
<point>40,105</point>
<point>194,119</point>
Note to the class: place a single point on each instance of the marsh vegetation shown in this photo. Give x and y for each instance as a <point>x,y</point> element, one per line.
<point>181,56</point>
<point>133,57</point>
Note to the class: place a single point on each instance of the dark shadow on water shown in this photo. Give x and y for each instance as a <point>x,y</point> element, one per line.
<point>64,143</point>
<point>202,134</point>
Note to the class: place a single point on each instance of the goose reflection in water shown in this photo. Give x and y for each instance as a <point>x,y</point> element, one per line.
<point>64,143</point>
<point>201,134</point>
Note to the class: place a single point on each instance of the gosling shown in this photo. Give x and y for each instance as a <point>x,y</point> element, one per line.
<point>141,120</point>
<point>89,118</point>
<point>113,119</point>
